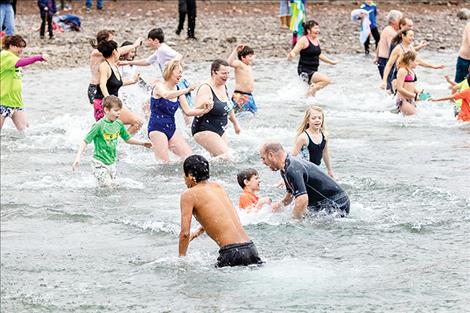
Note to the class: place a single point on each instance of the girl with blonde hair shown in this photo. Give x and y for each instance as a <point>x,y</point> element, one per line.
<point>312,138</point>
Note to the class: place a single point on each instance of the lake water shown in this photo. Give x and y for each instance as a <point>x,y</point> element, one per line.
<point>69,246</point>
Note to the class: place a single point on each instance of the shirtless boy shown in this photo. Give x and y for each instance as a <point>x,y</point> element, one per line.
<point>244,81</point>
<point>211,206</point>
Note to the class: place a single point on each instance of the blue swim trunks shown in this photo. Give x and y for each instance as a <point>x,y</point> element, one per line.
<point>243,102</point>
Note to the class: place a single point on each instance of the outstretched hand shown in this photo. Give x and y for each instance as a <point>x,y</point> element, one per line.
<point>75,165</point>
<point>240,47</point>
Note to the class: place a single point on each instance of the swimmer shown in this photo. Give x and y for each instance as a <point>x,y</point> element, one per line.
<point>249,181</point>
<point>212,208</point>
<point>165,100</point>
<point>110,83</point>
<point>407,93</point>
<point>11,98</point>
<point>96,58</point>
<point>312,138</point>
<point>104,135</point>
<point>244,81</point>
<point>388,33</point>
<point>310,55</point>
<point>209,129</point>
<point>311,188</point>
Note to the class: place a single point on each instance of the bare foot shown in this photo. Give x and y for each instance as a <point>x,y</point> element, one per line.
<point>312,90</point>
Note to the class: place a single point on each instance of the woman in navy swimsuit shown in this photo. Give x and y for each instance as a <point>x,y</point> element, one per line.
<point>165,100</point>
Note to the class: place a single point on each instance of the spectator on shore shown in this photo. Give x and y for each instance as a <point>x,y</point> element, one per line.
<point>89,4</point>
<point>187,7</point>
<point>7,17</point>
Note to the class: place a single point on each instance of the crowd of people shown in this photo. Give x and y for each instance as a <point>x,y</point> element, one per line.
<point>208,113</point>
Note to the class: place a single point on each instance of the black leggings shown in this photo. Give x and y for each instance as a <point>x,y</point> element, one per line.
<point>187,7</point>
<point>46,16</point>
<point>376,35</point>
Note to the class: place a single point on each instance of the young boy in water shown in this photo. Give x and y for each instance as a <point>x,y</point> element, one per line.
<point>459,87</point>
<point>104,135</point>
<point>249,181</point>
<point>241,59</point>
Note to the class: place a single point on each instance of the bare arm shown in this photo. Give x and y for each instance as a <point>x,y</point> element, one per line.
<point>325,59</point>
<point>126,49</point>
<point>105,73</point>
<point>193,112</point>
<point>301,44</point>
<point>234,121</point>
<point>197,233</point>
<point>233,58</point>
<point>424,63</point>
<point>400,82</point>
<point>132,81</point>
<point>284,202</point>
<point>141,62</point>
<point>81,150</point>
<point>162,92</point>
<point>449,81</point>
<point>327,160</point>
<point>451,97</point>
<point>421,45</point>
<point>133,141</point>
<point>391,60</point>
<point>187,206</point>
<point>300,206</point>
<point>300,141</point>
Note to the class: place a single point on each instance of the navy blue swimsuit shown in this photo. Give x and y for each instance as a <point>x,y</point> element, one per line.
<point>162,116</point>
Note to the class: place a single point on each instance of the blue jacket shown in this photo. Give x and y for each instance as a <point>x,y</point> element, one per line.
<point>372,10</point>
<point>50,4</point>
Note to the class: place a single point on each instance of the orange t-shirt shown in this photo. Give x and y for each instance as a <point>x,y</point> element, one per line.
<point>247,199</point>
<point>464,114</point>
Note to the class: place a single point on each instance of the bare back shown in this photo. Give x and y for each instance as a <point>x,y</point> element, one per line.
<point>464,51</point>
<point>244,80</point>
<point>216,214</point>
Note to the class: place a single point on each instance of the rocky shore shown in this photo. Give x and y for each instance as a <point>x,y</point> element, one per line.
<point>220,26</point>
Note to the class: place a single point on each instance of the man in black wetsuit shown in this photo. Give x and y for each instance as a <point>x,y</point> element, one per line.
<point>305,182</point>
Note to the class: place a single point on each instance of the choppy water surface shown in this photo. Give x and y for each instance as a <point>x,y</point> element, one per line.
<point>68,246</point>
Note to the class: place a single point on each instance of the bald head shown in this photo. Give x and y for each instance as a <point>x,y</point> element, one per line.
<point>272,154</point>
<point>271,146</point>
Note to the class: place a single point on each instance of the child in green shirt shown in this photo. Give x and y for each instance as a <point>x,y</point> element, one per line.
<point>104,135</point>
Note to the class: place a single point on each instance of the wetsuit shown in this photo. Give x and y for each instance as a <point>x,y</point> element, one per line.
<point>238,254</point>
<point>112,84</point>
<point>315,151</point>
<point>162,116</point>
<point>309,60</point>
<point>216,119</point>
<point>324,194</point>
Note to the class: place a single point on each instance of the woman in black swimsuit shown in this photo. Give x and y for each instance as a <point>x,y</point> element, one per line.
<point>109,84</point>
<point>209,129</point>
<point>310,55</point>
<point>313,137</point>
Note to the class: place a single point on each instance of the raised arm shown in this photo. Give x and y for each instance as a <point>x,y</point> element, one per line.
<point>187,206</point>
<point>233,58</point>
<point>126,49</point>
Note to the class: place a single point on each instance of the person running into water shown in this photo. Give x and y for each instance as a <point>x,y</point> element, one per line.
<point>311,188</point>
<point>383,48</point>
<point>209,129</point>
<point>110,83</point>
<point>404,43</point>
<point>244,81</point>
<point>165,100</point>
<point>407,92</point>
<point>212,208</point>
<point>104,135</point>
<point>312,139</point>
<point>249,181</point>
<point>11,88</point>
<point>458,87</point>
<point>96,58</point>
<point>463,61</point>
<point>464,113</point>
<point>310,55</point>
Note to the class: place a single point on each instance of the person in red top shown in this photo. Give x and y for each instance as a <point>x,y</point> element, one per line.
<point>249,181</point>
<point>464,114</point>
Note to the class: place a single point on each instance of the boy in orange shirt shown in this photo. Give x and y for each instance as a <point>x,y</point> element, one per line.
<point>249,180</point>
<point>464,114</point>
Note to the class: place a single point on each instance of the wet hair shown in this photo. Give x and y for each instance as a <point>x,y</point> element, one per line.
<point>407,57</point>
<point>197,166</point>
<point>169,68</point>
<point>102,35</point>
<point>246,174</point>
<point>15,40</point>
<point>123,57</point>
<point>309,24</point>
<point>110,102</point>
<point>215,66</point>
<point>394,15</point>
<point>156,33</point>
<point>398,39</point>
<point>304,125</point>
<point>107,48</point>
<point>272,146</point>
<point>245,51</point>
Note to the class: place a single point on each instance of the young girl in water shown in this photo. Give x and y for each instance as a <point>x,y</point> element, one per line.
<point>312,139</point>
<point>407,93</point>
<point>11,99</point>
